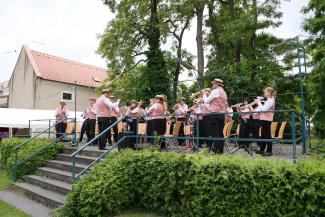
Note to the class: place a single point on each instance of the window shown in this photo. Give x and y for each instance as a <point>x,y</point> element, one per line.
<point>67,96</point>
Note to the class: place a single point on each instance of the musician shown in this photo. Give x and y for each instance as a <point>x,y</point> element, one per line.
<point>61,116</point>
<point>180,112</point>
<point>229,115</point>
<point>157,112</point>
<point>148,119</point>
<point>217,102</point>
<point>103,107</point>
<point>133,114</point>
<point>114,113</point>
<point>202,109</point>
<point>90,120</point>
<point>266,120</point>
<point>244,123</point>
<point>256,122</point>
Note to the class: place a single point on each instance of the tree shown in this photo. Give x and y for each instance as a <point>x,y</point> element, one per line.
<point>315,26</point>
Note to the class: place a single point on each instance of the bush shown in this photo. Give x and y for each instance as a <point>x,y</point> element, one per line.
<point>8,156</point>
<point>197,185</point>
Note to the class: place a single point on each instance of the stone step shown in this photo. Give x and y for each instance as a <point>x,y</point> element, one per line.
<point>59,175</point>
<point>65,166</point>
<point>79,158</point>
<point>49,184</point>
<point>91,151</point>
<point>44,196</point>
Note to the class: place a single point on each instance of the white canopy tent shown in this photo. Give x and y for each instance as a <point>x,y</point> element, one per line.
<point>20,118</point>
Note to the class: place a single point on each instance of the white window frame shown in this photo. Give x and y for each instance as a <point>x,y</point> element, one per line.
<point>68,92</point>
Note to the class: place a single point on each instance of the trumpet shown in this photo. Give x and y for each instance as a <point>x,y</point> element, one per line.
<point>255,101</point>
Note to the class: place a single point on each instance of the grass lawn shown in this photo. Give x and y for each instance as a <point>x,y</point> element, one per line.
<point>7,210</point>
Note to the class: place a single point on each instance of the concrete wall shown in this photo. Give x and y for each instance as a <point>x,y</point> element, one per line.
<point>48,95</point>
<point>22,83</point>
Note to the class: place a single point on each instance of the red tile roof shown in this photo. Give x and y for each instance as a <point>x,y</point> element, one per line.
<point>59,69</point>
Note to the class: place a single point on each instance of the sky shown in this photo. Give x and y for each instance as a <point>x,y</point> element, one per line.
<point>69,29</point>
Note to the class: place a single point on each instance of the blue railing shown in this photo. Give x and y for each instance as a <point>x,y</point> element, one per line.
<point>293,140</point>
<point>73,155</point>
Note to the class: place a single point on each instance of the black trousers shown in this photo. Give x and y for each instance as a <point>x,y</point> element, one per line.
<point>112,120</point>
<point>256,124</point>
<point>83,130</point>
<point>266,134</point>
<point>60,129</point>
<point>202,123</point>
<point>214,128</point>
<point>133,125</point>
<point>181,131</point>
<point>90,129</point>
<point>149,131</point>
<point>244,131</point>
<point>159,129</point>
<point>103,124</point>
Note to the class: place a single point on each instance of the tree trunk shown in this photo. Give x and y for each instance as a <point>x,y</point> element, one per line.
<point>238,42</point>
<point>214,31</point>
<point>252,46</point>
<point>199,42</point>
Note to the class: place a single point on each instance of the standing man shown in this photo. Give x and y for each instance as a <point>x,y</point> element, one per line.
<point>61,116</point>
<point>114,113</point>
<point>90,119</point>
<point>180,112</point>
<point>103,106</point>
<point>217,101</point>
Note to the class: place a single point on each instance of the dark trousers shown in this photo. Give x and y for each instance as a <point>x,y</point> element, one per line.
<point>159,129</point>
<point>266,134</point>
<point>202,133</point>
<point>133,125</point>
<point>60,129</point>
<point>214,128</point>
<point>90,129</point>
<point>149,130</point>
<point>103,124</point>
<point>256,130</point>
<point>181,131</point>
<point>83,130</point>
<point>244,132</point>
<point>112,121</point>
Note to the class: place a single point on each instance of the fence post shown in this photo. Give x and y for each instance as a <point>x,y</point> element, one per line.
<point>136,133</point>
<point>14,172</point>
<point>197,133</point>
<point>49,133</point>
<point>293,135</point>
<point>29,131</point>
<point>73,167</point>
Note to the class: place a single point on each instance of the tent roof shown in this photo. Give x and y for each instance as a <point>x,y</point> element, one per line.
<point>19,118</point>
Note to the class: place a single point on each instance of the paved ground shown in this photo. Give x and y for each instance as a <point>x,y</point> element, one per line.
<point>25,204</point>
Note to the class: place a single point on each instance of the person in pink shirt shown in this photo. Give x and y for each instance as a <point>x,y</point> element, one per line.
<point>266,119</point>
<point>90,119</point>
<point>217,103</point>
<point>180,112</point>
<point>115,113</point>
<point>61,116</point>
<point>244,123</point>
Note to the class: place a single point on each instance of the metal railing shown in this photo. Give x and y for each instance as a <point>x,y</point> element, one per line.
<point>18,147</point>
<point>73,155</point>
<point>293,140</point>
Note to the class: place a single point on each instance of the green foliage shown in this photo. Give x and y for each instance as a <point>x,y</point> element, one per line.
<point>198,185</point>
<point>7,210</point>
<point>315,26</point>
<point>8,156</point>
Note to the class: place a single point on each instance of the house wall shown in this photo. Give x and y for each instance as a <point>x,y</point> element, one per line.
<point>22,83</point>
<point>49,94</point>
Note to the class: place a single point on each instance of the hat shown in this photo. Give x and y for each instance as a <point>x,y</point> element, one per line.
<point>207,89</point>
<point>159,97</point>
<point>182,98</point>
<point>106,91</point>
<point>62,102</point>
<point>111,96</point>
<point>217,80</point>
<point>92,98</point>
<point>133,101</point>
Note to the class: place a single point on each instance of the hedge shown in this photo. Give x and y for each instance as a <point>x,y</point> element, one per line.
<point>198,185</point>
<point>8,156</point>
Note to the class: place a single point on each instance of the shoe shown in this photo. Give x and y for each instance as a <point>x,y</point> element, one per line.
<point>266,154</point>
<point>259,152</point>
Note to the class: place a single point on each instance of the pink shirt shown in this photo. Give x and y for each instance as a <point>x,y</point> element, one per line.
<point>217,100</point>
<point>181,111</point>
<point>61,114</point>
<point>156,110</point>
<point>91,111</point>
<point>269,105</point>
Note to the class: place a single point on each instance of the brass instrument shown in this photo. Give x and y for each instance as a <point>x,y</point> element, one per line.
<point>197,95</point>
<point>255,101</point>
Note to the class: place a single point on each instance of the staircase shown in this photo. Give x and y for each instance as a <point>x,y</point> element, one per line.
<point>52,183</point>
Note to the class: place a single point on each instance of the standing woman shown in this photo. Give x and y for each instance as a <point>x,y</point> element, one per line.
<point>90,119</point>
<point>158,120</point>
<point>266,119</point>
<point>61,115</point>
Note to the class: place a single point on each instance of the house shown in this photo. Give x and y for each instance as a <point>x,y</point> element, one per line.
<point>4,93</point>
<point>40,81</point>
